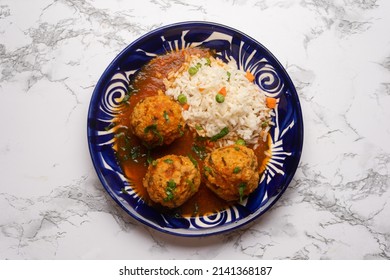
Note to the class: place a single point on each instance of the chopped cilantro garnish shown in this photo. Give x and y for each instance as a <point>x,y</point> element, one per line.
<point>208,169</point>
<point>241,188</point>
<point>180,129</point>
<point>119,135</point>
<point>108,127</point>
<point>194,162</point>
<point>171,186</point>
<point>196,208</point>
<point>166,116</point>
<point>135,152</point>
<point>150,128</point>
<point>153,128</point>
<point>200,151</point>
<point>123,190</point>
<point>236,170</point>
<point>224,131</point>
<point>191,184</point>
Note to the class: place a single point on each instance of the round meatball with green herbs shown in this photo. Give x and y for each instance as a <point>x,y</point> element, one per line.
<point>157,120</point>
<point>171,180</point>
<point>231,172</point>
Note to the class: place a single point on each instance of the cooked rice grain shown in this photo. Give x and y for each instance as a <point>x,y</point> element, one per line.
<point>243,110</point>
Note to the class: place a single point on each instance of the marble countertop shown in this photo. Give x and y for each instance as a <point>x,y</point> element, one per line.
<point>52,204</point>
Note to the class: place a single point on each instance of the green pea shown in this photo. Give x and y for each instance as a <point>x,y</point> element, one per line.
<point>220,98</point>
<point>264,124</point>
<point>241,188</point>
<point>182,99</point>
<point>193,70</point>
<point>240,142</point>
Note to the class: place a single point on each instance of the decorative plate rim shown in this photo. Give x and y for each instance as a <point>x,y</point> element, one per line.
<point>108,74</point>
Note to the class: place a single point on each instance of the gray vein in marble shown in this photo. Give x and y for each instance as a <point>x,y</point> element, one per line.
<point>347,27</point>
<point>303,79</point>
<point>257,249</point>
<point>386,88</point>
<point>117,21</point>
<point>372,185</point>
<point>386,63</point>
<point>64,205</point>
<point>346,18</point>
<point>165,5</point>
<point>76,98</point>
<point>362,4</point>
<point>381,93</point>
<point>262,5</point>
<point>51,35</point>
<point>4,11</point>
<point>349,123</point>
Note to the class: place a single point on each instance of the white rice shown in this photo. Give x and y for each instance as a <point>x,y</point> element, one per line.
<point>243,111</point>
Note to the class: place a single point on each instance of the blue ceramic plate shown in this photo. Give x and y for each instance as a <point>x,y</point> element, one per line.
<point>270,76</point>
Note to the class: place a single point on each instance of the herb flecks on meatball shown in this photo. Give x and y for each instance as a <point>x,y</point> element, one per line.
<point>172,180</point>
<point>231,172</point>
<point>157,120</point>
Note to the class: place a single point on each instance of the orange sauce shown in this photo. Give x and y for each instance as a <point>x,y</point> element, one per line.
<point>133,157</point>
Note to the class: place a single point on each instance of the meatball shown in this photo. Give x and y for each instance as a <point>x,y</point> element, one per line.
<point>157,120</point>
<point>231,172</point>
<point>171,180</point>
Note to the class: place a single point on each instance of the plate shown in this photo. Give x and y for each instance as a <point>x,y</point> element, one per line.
<point>286,136</point>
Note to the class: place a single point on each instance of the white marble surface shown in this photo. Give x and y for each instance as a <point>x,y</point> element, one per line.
<point>52,205</point>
